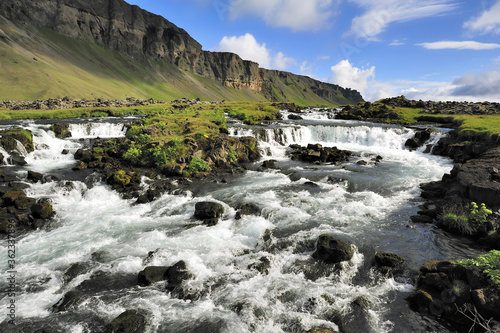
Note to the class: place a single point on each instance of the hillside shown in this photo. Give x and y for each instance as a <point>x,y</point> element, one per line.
<point>110,49</point>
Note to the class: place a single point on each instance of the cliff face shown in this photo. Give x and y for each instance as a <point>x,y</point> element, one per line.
<point>128,29</point>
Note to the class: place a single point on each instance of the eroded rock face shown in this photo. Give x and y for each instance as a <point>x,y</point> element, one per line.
<point>116,25</point>
<point>479,179</point>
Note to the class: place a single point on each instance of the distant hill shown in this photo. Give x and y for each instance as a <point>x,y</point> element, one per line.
<point>110,49</point>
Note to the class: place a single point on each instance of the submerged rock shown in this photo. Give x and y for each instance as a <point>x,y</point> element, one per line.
<point>152,274</point>
<point>247,209</point>
<point>130,321</point>
<point>331,250</point>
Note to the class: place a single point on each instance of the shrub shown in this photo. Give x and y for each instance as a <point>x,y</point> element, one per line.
<point>231,156</point>
<point>488,263</point>
<point>479,214</point>
<point>133,155</point>
<point>196,165</point>
<point>121,177</point>
<point>464,221</point>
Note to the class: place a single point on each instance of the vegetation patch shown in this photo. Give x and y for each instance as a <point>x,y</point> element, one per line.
<point>488,263</point>
<point>466,221</point>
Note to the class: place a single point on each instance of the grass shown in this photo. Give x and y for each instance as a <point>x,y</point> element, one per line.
<point>469,127</point>
<point>40,64</point>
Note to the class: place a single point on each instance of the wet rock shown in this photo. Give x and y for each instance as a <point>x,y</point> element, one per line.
<point>247,209</point>
<point>331,250</point>
<point>176,275</point>
<point>420,301</point>
<point>75,270</point>
<point>79,166</point>
<point>358,318</point>
<point>152,274</point>
<point>61,131</point>
<point>17,158</point>
<point>294,117</point>
<point>69,301</point>
<point>9,139</point>
<point>208,210</point>
<point>34,176</point>
<point>130,321</point>
<point>421,136</point>
<point>317,153</point>
<point>262,265</point>
<point>269,164</point>
<point>42,210</point>
<point>389,262</point>
<point>421,219</point>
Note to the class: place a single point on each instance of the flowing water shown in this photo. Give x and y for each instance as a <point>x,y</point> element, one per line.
<point>367,205</point>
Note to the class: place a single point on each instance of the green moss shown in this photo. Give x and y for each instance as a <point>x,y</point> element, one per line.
<point>121,177</point>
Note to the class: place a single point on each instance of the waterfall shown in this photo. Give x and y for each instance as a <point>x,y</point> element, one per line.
<point>94,130</point>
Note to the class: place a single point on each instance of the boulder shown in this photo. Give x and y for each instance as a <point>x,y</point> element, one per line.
<point>176,275</point>
<point>331,250</point>
<point>487,301</point>
<point>269,164</point>
<point>75,270</point>
<point>130,321</point>
<point>208,210</point>
<point>61,131</point>
<point>152,274</point>
<point>389,262</point>
<point>42,210</point>
<point>247,209</point>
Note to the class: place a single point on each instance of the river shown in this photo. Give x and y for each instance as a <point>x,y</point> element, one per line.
<point>367,205</point>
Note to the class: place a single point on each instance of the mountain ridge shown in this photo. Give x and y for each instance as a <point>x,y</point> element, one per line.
<point>149,38</point>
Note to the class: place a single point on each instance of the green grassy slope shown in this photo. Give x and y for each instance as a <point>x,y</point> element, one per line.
<point>41,64</point>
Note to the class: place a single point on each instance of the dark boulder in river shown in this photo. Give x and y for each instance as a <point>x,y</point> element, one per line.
<point>331,250</point>
<point>130,321</point>
<point>152,274</point>
<point>208,210</point>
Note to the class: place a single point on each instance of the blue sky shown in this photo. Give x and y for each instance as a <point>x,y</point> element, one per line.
<point>424,49</point>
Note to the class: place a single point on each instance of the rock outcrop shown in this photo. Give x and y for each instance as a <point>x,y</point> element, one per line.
<point>141,35</point>
<point>452,292</point>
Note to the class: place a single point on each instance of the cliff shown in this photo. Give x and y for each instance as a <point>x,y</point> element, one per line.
<point>144,37</point>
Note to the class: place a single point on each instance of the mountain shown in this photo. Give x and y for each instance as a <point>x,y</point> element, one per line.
<point>110,49</point>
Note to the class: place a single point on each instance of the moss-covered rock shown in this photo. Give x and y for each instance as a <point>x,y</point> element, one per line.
<point>331,250</point>
<point>60,130</point>
<point>9,138</point>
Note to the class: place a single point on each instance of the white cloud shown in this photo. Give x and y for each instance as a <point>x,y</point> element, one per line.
<point>482,85</point>
<point>459,45</point>
<point>397,43</point>
<point>282,62</point>
<point>469,87</point>
<point>298,15</point>
<point>487,22</point>
<point>380,14</point>
<point>248,48</point>
<point>346,75</point>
